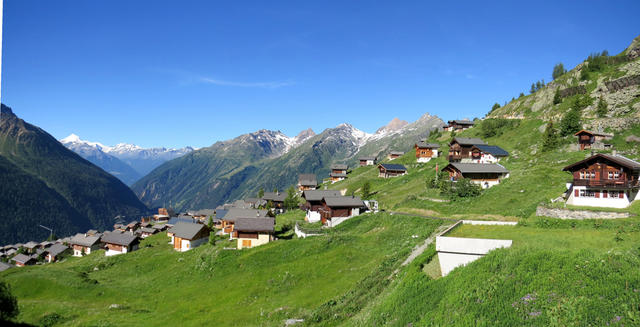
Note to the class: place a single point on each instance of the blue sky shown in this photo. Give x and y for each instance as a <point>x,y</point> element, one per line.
<point>176,73</point>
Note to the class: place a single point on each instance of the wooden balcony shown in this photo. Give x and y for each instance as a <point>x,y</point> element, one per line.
<point>607,183</point>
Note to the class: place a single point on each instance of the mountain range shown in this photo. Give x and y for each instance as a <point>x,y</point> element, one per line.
<point>238,168</point>
<point>44,183</point>
<point>128,162</point>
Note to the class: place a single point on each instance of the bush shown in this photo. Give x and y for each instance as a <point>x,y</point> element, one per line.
<point>465,188</point>
<point>602,108</point>
<point>550,139</point>
<point>557,98</point>
<point>558,70</point>
<point>8,303</point>
<point>496,126</point>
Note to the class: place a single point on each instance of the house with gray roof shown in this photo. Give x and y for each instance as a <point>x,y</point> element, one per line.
<point>144,232</point>
<point>252,232</point>
<point>307,182</point>
<point>275,198</point>
<point>30,247</point>
<point>485,175</point>
<point>482,153</point>
<point>426,151</point>
<point>55,252</point>
<point>314,202</point>
<point>82,244</point>
<point>338,172</point>
<point>391,170</point>
<point>458,125</point>
<point>394,155</point>
<point>337,209</point>
<point>186,236</point>
<point>460,148</point>
<point>117,242</point>
<point>368,161</point>
<point>21,260</point>
<point>230,217</point>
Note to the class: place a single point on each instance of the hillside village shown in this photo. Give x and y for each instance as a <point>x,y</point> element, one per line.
<point>524,217</point>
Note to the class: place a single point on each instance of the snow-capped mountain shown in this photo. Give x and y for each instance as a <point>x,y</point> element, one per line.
<point>128,162</point>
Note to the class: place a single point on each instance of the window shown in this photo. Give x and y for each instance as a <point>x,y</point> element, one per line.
<point>587,193</point>
<point>616,194</point>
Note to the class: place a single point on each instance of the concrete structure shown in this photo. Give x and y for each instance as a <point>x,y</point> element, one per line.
<point>454,252</point>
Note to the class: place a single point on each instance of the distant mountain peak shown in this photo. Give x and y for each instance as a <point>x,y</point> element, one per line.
<point>304,135</point>
<point>73,138</point>
<point>394,125</point>
<point>6,110</point>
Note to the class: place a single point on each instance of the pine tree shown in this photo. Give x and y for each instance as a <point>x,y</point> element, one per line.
<point>521,95</point>
<point>533,88</point>
<point>550,140</point>
<point>571,122</point>
<point>557,98</point>
<point>261,193</point>
<point>494,107</point>
<point>366,190</point>
<point>538,85</point>
<point>602,108</point>
<point>558,70</point>
<point>291,201</point>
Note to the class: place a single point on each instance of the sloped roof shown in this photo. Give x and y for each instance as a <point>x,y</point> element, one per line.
<point>584,131</point>
<point>4,266</point>
<point>186,230</point>
<point>120,238</point>
<point>368,158</point>
<point>618,159</point>
<point>308,179</point>
<point>494,150</point>
<point>398,153</point>
<point>30,245</point>
<point>82,240</point>
<point>339,167</point>
<point>274,196</point>
<point>461,122</point>
<point>235,213</point>
<point>147,230</point>
<point>338,175</point>
<point>344,201</point>
<point>254,225</point>
<point>477,168</point>
<point>56,249</point>
<point>22,258</point>
<point>468,141</point>
<point>204,212</point>
<point>423,144</point>
<point>183,219</point>
<point>317,195</point>
<point>394,167</point>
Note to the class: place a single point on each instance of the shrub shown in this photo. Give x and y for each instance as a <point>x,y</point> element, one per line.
<point>602,109</point>
<point>366,190</point>
<point>557,98</point>
<point>465,188</point>
<point>550,140</point>
<point>8,303</point>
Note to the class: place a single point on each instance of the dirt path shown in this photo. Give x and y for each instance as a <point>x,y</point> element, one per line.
<point>418,250</point>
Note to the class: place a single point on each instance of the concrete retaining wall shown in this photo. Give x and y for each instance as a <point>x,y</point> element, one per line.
<point>458,251</point>
<point>302,234</point>
<point>489,222</point>
<point>579,214</point>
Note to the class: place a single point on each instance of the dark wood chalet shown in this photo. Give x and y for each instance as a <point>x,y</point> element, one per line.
<point>307,182</point>
<point>461,148</point>
<point>340,207</point>
<point>425,151</point>
<point>391,170</point>
<point>485,175</point>
<point>276,198</point>
<point>394,155</point>
<point>588,138</point>
<point>458,125</point>
<point>604,180</point>
<point>314,198</point>
<point>367,161</point>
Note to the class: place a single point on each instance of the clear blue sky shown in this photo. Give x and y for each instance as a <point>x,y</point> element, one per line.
<point>176,73</point>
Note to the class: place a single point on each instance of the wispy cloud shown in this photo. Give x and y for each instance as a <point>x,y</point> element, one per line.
<point>264,85</point>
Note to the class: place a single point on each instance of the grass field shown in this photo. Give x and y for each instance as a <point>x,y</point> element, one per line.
<point>156,286</point>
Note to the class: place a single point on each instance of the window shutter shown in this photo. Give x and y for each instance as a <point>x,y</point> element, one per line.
<point>597,193</point>
<point>621,195</point>
<point>604,194</point>
<point>577,193</point>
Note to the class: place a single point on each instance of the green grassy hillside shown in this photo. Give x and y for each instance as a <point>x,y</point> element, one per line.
<point>157,286</point>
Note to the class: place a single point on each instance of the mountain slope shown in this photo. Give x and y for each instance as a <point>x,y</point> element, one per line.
<point>128,162</point>
<point>94,153</point>
<point>237,168</point>
<point>94,194</point>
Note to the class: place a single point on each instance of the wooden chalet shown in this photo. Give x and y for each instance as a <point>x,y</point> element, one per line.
<point>458,125</point>
<point>229,219</point>
<point>461,148</point>
<point>144,232</point>
<point>587,138</point>
<point>22,260</point>
<point>186,236</point>
<point>85,244</point>
<point>164,214</point>
<point>307,182</point>
<point>481,153</point>
<point>426,151</point>
<point>485,175</point>
<point>30,247</point>
<point>314,202</point>
<point>119,242</point>
<point>391,170</point>
<point>394,155</point>
<point>335,210</point>
<point>338,172</point>
<point>276,199</point>
<point>56,252</point>
<point>367,161</point>
<point>604,180</point>
<point>252,232</point>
